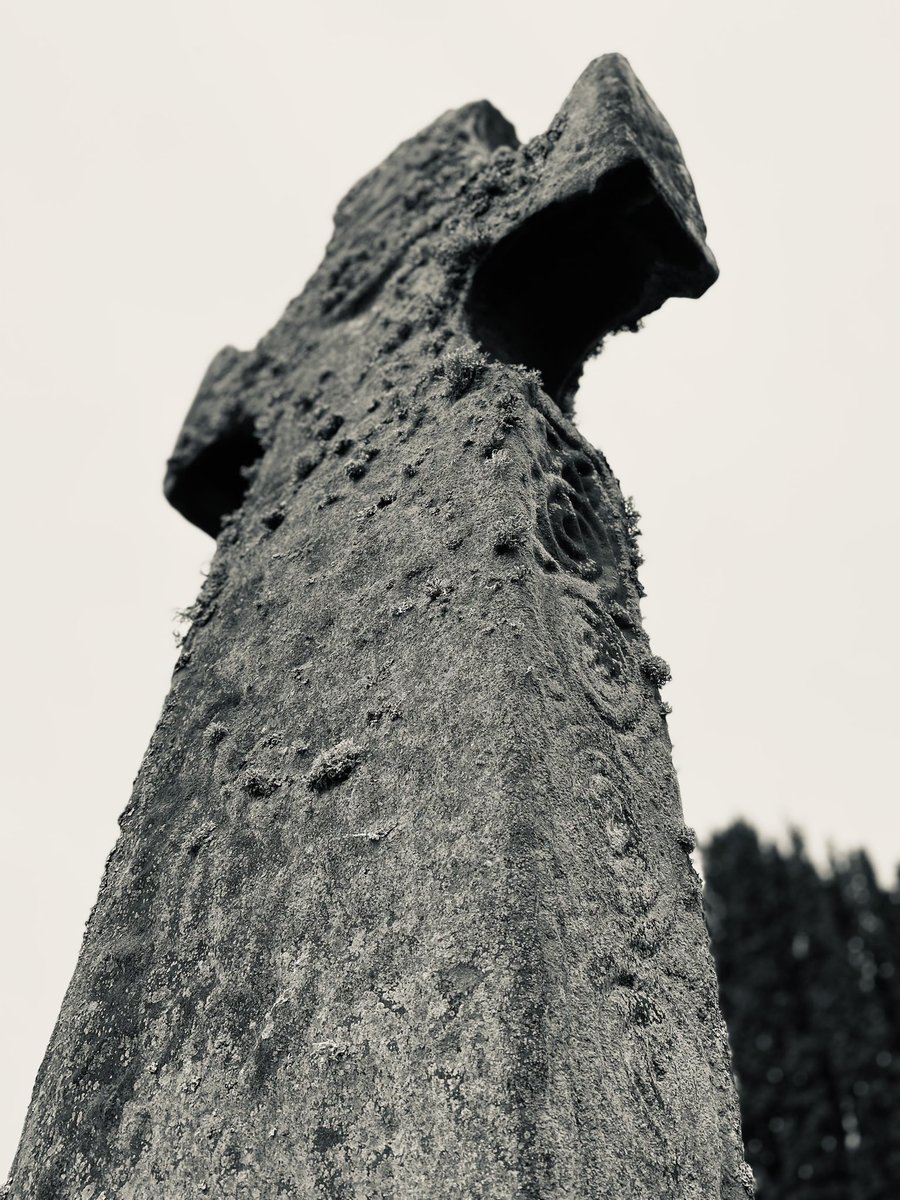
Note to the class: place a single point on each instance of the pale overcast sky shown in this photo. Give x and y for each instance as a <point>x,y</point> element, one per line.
<point>167,177</point>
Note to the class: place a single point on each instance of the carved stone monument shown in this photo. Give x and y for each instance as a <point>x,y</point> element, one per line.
<point>402,904</point>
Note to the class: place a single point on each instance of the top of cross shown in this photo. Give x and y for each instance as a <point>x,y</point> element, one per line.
<point>537,251</point>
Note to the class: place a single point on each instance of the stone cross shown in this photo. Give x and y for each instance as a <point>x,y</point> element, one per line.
<point>402,904</point>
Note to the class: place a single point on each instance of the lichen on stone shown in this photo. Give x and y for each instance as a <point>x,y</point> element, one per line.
<point>334,765</point>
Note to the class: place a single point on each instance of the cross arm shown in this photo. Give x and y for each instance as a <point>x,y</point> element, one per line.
<point>603,228</point>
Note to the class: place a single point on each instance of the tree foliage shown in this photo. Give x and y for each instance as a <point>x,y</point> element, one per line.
<point>809,975</point>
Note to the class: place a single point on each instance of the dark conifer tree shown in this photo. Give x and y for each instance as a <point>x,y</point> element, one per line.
<point>809,973</point>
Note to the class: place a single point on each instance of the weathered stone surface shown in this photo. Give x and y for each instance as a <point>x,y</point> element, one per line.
<point>402,904</point>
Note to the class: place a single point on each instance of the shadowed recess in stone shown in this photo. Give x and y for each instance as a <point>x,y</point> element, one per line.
<point>215,482</point>
<point>550,291</point>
